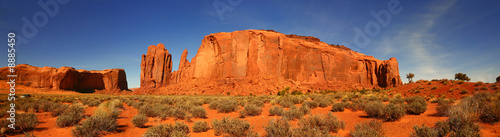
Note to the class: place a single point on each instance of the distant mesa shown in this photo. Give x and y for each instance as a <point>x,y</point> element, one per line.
<point>67,78</point>
<point>264,60</point>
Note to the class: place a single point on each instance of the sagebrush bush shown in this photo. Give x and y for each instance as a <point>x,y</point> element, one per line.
<point>168,130</point>
<point>339,107</point>
<point>224,106</point>
<point>278,128</point>
<point>416,105</point>
<point>324,103</point>
<point>199,112</point>
<point>104,119</point>
<point>286,104</point>
<point>251,110</point>
<point>374,109</point>
<point>424,131</point>
<point>293,113</point>
<point>26,122</point>
<point>309,132</point>
<point>139,120</point>
<point>326,122</point>
<point>232,127</point>
<point>71,116</point>
<point>179,113</point>
<point>443,107</point>
<point>393,112</point>
<point>58,109</point>
<point>200,126</point>
<point>370,128</point>
<point>311,104</point>
<point>276,110</point>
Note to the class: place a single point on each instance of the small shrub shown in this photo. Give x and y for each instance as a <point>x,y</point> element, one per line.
<point>179,113</point>
<point>26,122</point>
<point>326,122</point>
<point>167,130</point>
<point>199,112</point>
<point>416,105</point>
<point>251,110</point>
<point>370,128</point>
<point>293,113</point>
<point>200,126</point>
<point>224,106</point>
<point>276,110</point>
<point>284,91</point>
<point>464,91</point>
<point>309,132</point>
<point>296,92</point>
<point>286,104</point>
<point>484,88</point>
<point>374,109</point>
<point>232,127</point>
<point>71,116</point>
<point>393,112</point>
<point>434,87</point>
<point>278,128</point>
<point>443,107</point>
<point>311,104</point>
<point>338,107</point>
<point>424,131</point>
<point>396,100</point>
<point>139,120</point>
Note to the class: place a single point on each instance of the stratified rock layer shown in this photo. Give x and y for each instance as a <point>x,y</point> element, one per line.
<point>254,53</point>
<point>67,78</point>
<point>259,56</point>
<point>156,67</point>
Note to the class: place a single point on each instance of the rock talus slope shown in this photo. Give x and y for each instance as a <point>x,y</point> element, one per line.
<point>250,57</point>
<point>68,78</point>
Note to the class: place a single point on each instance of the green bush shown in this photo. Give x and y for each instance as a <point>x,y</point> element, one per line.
<point>296,92</point>
<point>326,122</point>
<point>71,116</point>
<point>393,112</point>
<point>286,104</point>
<point>224,106</point>
<point>338,107</point>
<point>324,103</point>
<point>104,119</point>
<point>232,127</point>
<point>58,109</point>
<point>284,91</point>
<point>26,122</point>
<point>443,107</point>
<point>370,128</point>
<point>304,109</point>
<point>293,113</point>
<point>276,110</point>
<point>251,110</point>
<point>278,128</point>
<point>139,120</point>
<point>199,112</point>
<point>200,126</point>
<point>179,113</point>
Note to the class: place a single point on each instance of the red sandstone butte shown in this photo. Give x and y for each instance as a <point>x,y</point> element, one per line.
<point>256,55</point>
<point>156,67</point>
<point>67,78</point>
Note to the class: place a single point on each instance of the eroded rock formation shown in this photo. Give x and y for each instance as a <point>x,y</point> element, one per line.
<point>259,55</point>
<point>156,67</point>
<point>68,78</point>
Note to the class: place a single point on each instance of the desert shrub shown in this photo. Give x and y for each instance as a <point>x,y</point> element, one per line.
<point>326,122</point>
<point>293,113</point>
<point>276,110</point>
<point>311,104</point>
<point>296,92</point>
<point>434,88</point>
<point>397,100</point>
<point>256,102</point>
<point>104,119</point>
<point>278,128</point>
<point>167,100</point>
<point>339,107</point>
<point>251,110</point>
<point>442,128</point>
<point>385,98</point>
<point>232,127</point>
<point>26,122</point>
<point>71,116</point>
<point>424,131</point>
<point>200,126</point>
<point>443,107</point>
<point>461,121</point>
<point>284,91</point>
<point>199,112</point>
<point>286,103</point>
<point>148,110</point>
<point>370,128</point>
<point>393,112</point>
<point>479,83</point>
<point>58,109</point>
<point>304,109</point>
<point>355,106</point>
<point>167,130</point>
<point>309,132</point>
<point>139,120</point>
<point>179,113</point>
<point>224,106</point>
<point>490,113</point>
<point>374,109</point>
<point>324,103</point>
<point>416,105</point>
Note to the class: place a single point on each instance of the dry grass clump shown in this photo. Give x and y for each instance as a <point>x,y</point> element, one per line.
<point>232,127</point>
<point>372,128</point>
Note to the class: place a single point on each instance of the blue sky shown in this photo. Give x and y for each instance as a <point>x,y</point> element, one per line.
<point>432,39</point>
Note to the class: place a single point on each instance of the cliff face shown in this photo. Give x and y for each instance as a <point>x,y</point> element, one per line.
<point>257,55</point>
<point>250,54</point>
<point>68,78</point>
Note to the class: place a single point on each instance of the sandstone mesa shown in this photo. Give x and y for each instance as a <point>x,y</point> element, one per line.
<point>264,61</point>
<point>67,78</point>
